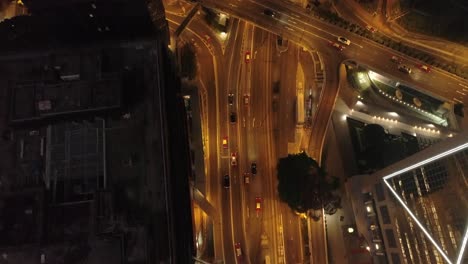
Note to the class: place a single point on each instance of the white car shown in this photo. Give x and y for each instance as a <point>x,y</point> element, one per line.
<point>404,69</point>
<point>344,40</point>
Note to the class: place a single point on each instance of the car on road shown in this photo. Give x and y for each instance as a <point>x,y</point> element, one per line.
<point>237,247</point>
<point>230,98</point>
<point>258,204</point>
<point>247,56</point>
<point>424,68</point>
<point>226,182</point>
<point>404,68</point>
<point>269,12</point>
<point>344,40</point>
<point>233,117</point>
<point>253,168</point>
<point>371,28</point>
<point>246,99</point>
<point>225,142</point>
<point>234,159</point>
<point>397,59</point>
<point>246,178</point>
<point>336,45</point>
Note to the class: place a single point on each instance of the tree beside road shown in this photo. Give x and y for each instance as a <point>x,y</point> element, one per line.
<point>304,185</point>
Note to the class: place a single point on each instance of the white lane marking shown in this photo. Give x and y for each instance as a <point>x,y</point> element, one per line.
<point>292,21</point>
<point>294,15</point>
<point>455,99</point>
<point>358,45</point>
<point>462,93</point>
<point>463,85</point>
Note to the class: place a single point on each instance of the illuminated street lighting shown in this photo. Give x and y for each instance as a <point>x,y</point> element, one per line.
<point>223,35</point>
<point>350,230</point>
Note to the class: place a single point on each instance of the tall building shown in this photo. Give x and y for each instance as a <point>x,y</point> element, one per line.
<point>91,112</point>
<point>416,210</point>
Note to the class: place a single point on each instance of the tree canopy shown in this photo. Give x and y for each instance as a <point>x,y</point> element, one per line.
<point>303,184</point>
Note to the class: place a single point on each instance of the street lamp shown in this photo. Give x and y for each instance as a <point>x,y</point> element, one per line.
<point>223,35</point>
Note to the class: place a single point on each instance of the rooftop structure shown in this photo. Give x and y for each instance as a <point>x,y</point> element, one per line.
<point>416,210</point>
<point>38,100</point>
<point>75,162</point>
<point>67,71</point>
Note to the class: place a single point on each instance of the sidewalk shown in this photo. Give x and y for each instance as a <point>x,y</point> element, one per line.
<point>344,247</point>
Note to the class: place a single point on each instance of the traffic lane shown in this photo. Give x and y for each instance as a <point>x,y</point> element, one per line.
<point>243,85</point>
<point>288,63</point>
<point>292,11</point>
<point>263,92</point>
<point>435,81</point>
<point>379,57</point>
<point>238,198</point>
<point>292,235</point>
<point>213,145</point>
<point>287,110</point>
<point>227,83</point>
<point>326,102</point>
<point>272,227</point>
<point>318,241</point>
<point>369,52</point>
<point>253,217</point>
<point>318,32</point>
<point>259,78</point>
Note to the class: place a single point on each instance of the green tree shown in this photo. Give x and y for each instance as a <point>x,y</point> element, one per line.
<point>303,184</point>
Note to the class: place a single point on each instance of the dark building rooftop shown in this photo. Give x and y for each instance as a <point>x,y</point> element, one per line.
<point>32,101</point>
<point>80,56</point>
<point>76,23</point>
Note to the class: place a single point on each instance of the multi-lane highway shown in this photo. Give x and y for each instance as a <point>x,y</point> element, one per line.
<point>260,134</point>
<point>292,21</point>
